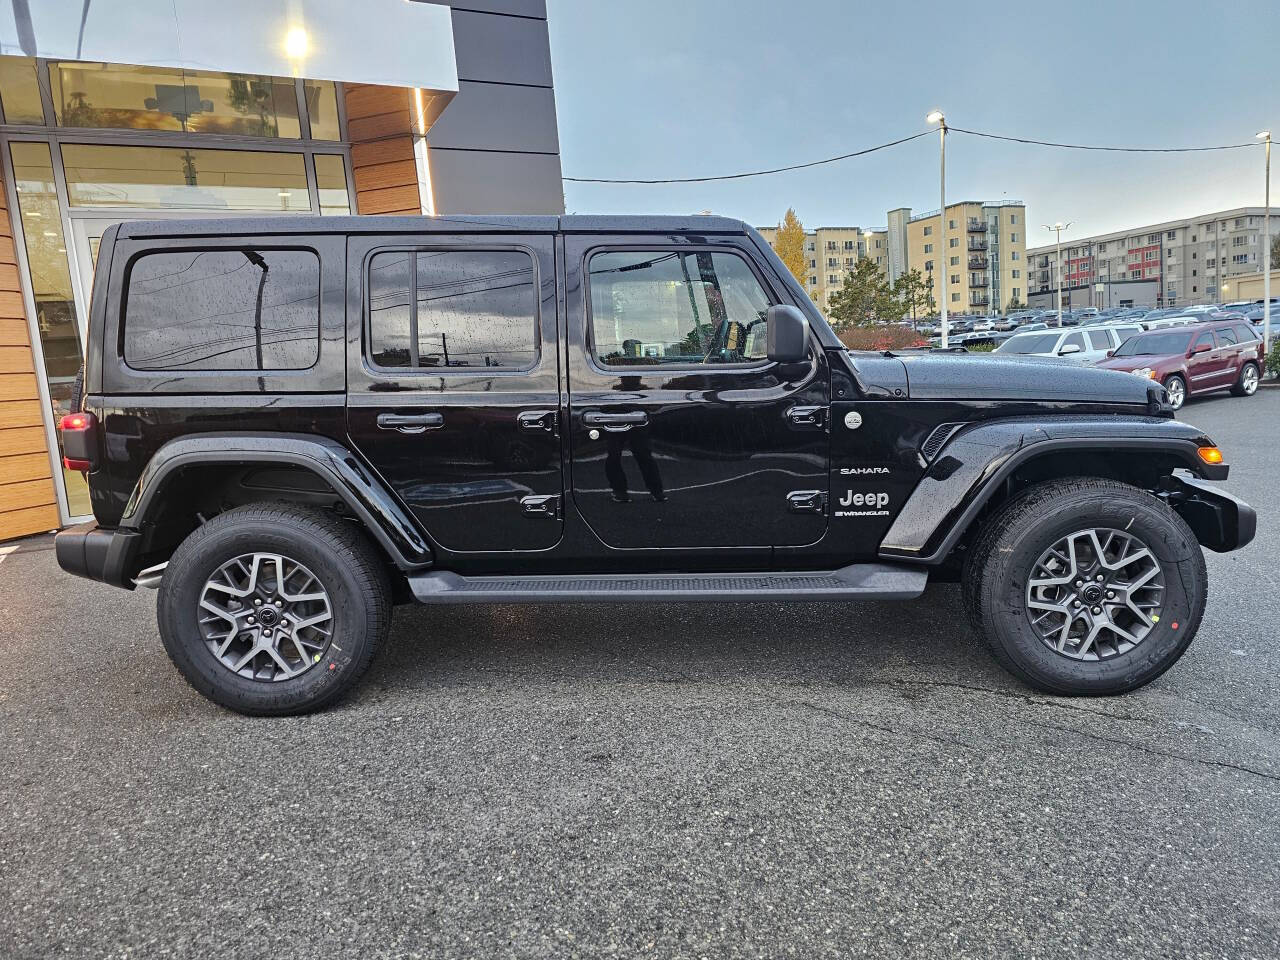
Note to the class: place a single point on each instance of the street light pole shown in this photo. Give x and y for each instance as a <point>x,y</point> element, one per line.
<point>1265,137</point>
<point>1057,228</point>
<point>937,117</point>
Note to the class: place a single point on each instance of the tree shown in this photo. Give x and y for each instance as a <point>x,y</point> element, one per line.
<point>789,244</point>
<point>1013,304</point>
<point>914,294</point>
<point>864,297</point>
<point>1275,252</point>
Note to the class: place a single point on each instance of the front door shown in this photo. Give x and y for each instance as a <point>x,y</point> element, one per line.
<point>1208,368</point>
<point>453,384</point>
<point>683,433</point>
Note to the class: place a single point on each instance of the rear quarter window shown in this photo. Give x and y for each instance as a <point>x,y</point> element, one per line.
<point>222,309</point>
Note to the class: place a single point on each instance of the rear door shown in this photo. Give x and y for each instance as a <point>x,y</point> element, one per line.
<point>683,434</point>
<point>453,383</point>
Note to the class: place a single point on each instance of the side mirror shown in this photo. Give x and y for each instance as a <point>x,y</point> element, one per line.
<point>788,334</point>
<point>1069,349</point>
<point>1110,354</point>
<point>1201,348</point>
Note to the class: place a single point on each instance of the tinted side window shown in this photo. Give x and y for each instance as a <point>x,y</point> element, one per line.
<point>668,306</point>
<point>1245,333</point>
<point>1226,337</point>
<point>1099,340</point>
<point>1073,340</point>
<point>1205,339</point>
<point>453,308</point>
<point>225,309</point>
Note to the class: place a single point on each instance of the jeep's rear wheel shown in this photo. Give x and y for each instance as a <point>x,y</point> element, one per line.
<point>273,608</point>
<point>1086,586</point>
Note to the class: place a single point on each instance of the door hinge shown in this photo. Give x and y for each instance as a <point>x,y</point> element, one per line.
<point>807,501</point>
<point>807,416</point>
<point>537,421</point>
<point>545,506</point>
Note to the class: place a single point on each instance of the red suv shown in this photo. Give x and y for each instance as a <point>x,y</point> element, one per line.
<point>1195,359</point>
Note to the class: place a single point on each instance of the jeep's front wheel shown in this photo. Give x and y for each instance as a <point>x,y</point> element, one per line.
<point>1086,586</point>
<point>273,609</point>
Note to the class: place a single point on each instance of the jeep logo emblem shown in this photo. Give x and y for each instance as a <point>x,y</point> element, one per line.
<point>877,500</point>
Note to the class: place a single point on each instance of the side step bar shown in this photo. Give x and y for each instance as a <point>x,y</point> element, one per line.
<point>858,581</point>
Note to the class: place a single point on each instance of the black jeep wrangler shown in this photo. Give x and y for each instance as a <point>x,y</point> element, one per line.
<point>289,424</point>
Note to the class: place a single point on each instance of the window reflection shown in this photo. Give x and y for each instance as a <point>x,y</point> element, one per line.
<point>331,184</point>
<point>474,308</point>
<point>113,95</point>
<point>20,90</point>
<point>322,109</point>
<point>161,178</point>
<point>51,289</point>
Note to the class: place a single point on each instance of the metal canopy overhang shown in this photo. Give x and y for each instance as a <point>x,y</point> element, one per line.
<point>385,42</point>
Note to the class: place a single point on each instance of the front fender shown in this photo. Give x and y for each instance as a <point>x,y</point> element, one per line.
<point>358,488</point>
<point>965,474</point>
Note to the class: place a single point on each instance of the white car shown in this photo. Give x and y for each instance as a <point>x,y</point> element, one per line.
<point>1087,344</point>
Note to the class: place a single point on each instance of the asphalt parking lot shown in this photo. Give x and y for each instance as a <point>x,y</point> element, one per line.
<point>695,781</point>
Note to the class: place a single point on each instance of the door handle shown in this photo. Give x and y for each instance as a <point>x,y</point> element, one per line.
<point>410,422</point>
<point>540,506</point>
<point>615,422</point>
<point>806,416</point>
<point>537,421</point>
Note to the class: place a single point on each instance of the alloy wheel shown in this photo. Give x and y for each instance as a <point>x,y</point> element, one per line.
<point>265,617</point>
<point>1177,393</point>
<point>1250,380</point>
<point>1095,594</point>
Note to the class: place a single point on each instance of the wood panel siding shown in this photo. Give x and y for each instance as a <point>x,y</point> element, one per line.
<point>28,503</point>
<point>380,129</point>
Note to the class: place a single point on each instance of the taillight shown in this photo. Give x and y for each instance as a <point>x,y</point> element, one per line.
<point>79,440</point>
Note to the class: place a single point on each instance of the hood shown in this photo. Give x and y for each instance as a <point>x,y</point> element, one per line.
<point>1155,361</point>
<point>958,376</point>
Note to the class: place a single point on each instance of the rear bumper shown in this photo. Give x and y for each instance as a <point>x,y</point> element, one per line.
<point>1219,520</point>
<point>91,551</point>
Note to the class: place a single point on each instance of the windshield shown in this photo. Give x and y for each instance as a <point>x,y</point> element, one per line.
<point>1030,343</point>
<point>1153,344</point>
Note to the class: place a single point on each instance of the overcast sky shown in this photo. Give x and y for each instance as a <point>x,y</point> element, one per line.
<point>671,88</point>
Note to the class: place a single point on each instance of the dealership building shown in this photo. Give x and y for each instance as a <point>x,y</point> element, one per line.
<point>115,110</point>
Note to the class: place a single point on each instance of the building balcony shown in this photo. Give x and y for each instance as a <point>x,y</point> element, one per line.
<point>979,300</point>
<point>978,280</point>
<point>976,226</point>
<point>976,244</point>
<point>977,263</point>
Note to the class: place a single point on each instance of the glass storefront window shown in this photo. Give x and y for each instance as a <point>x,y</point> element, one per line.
<point>113,95</point>
<point>322,109</point>
<point>51,289</point>
<point>20,90</point>
<point>331,184</point>
<point>175,178</point>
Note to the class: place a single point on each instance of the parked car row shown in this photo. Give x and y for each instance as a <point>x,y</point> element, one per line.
<point>1188,356</point>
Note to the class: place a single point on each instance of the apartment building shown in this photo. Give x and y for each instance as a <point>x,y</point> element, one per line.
<point>831,252</point>
<point>1176,263</point>
<point>984,254</point>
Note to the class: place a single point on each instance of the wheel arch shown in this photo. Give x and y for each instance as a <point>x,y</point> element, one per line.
<point>985,466</point>
<point>192,474</point>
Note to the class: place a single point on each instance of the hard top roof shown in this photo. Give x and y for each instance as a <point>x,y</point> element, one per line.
<point>452,223</point>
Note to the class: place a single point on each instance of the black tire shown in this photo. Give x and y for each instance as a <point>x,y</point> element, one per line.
<point>1177,388</point>
<point>334,551</point>
<point>1240,389</point>
<point>999,565</point>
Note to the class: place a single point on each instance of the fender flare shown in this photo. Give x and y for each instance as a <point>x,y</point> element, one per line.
<point>354,483</point>
<point>969,470</point>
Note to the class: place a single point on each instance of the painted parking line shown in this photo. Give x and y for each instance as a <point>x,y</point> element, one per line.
<point>5,551</point>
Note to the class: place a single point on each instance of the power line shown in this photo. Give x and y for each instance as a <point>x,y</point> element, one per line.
<point>917,136</point>
<point>757,173</point>
<point>1083,146</point>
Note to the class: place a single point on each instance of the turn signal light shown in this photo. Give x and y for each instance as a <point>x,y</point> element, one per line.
<point>1210,454</point>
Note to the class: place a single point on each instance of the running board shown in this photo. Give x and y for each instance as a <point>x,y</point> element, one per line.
<point>858,581</point>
